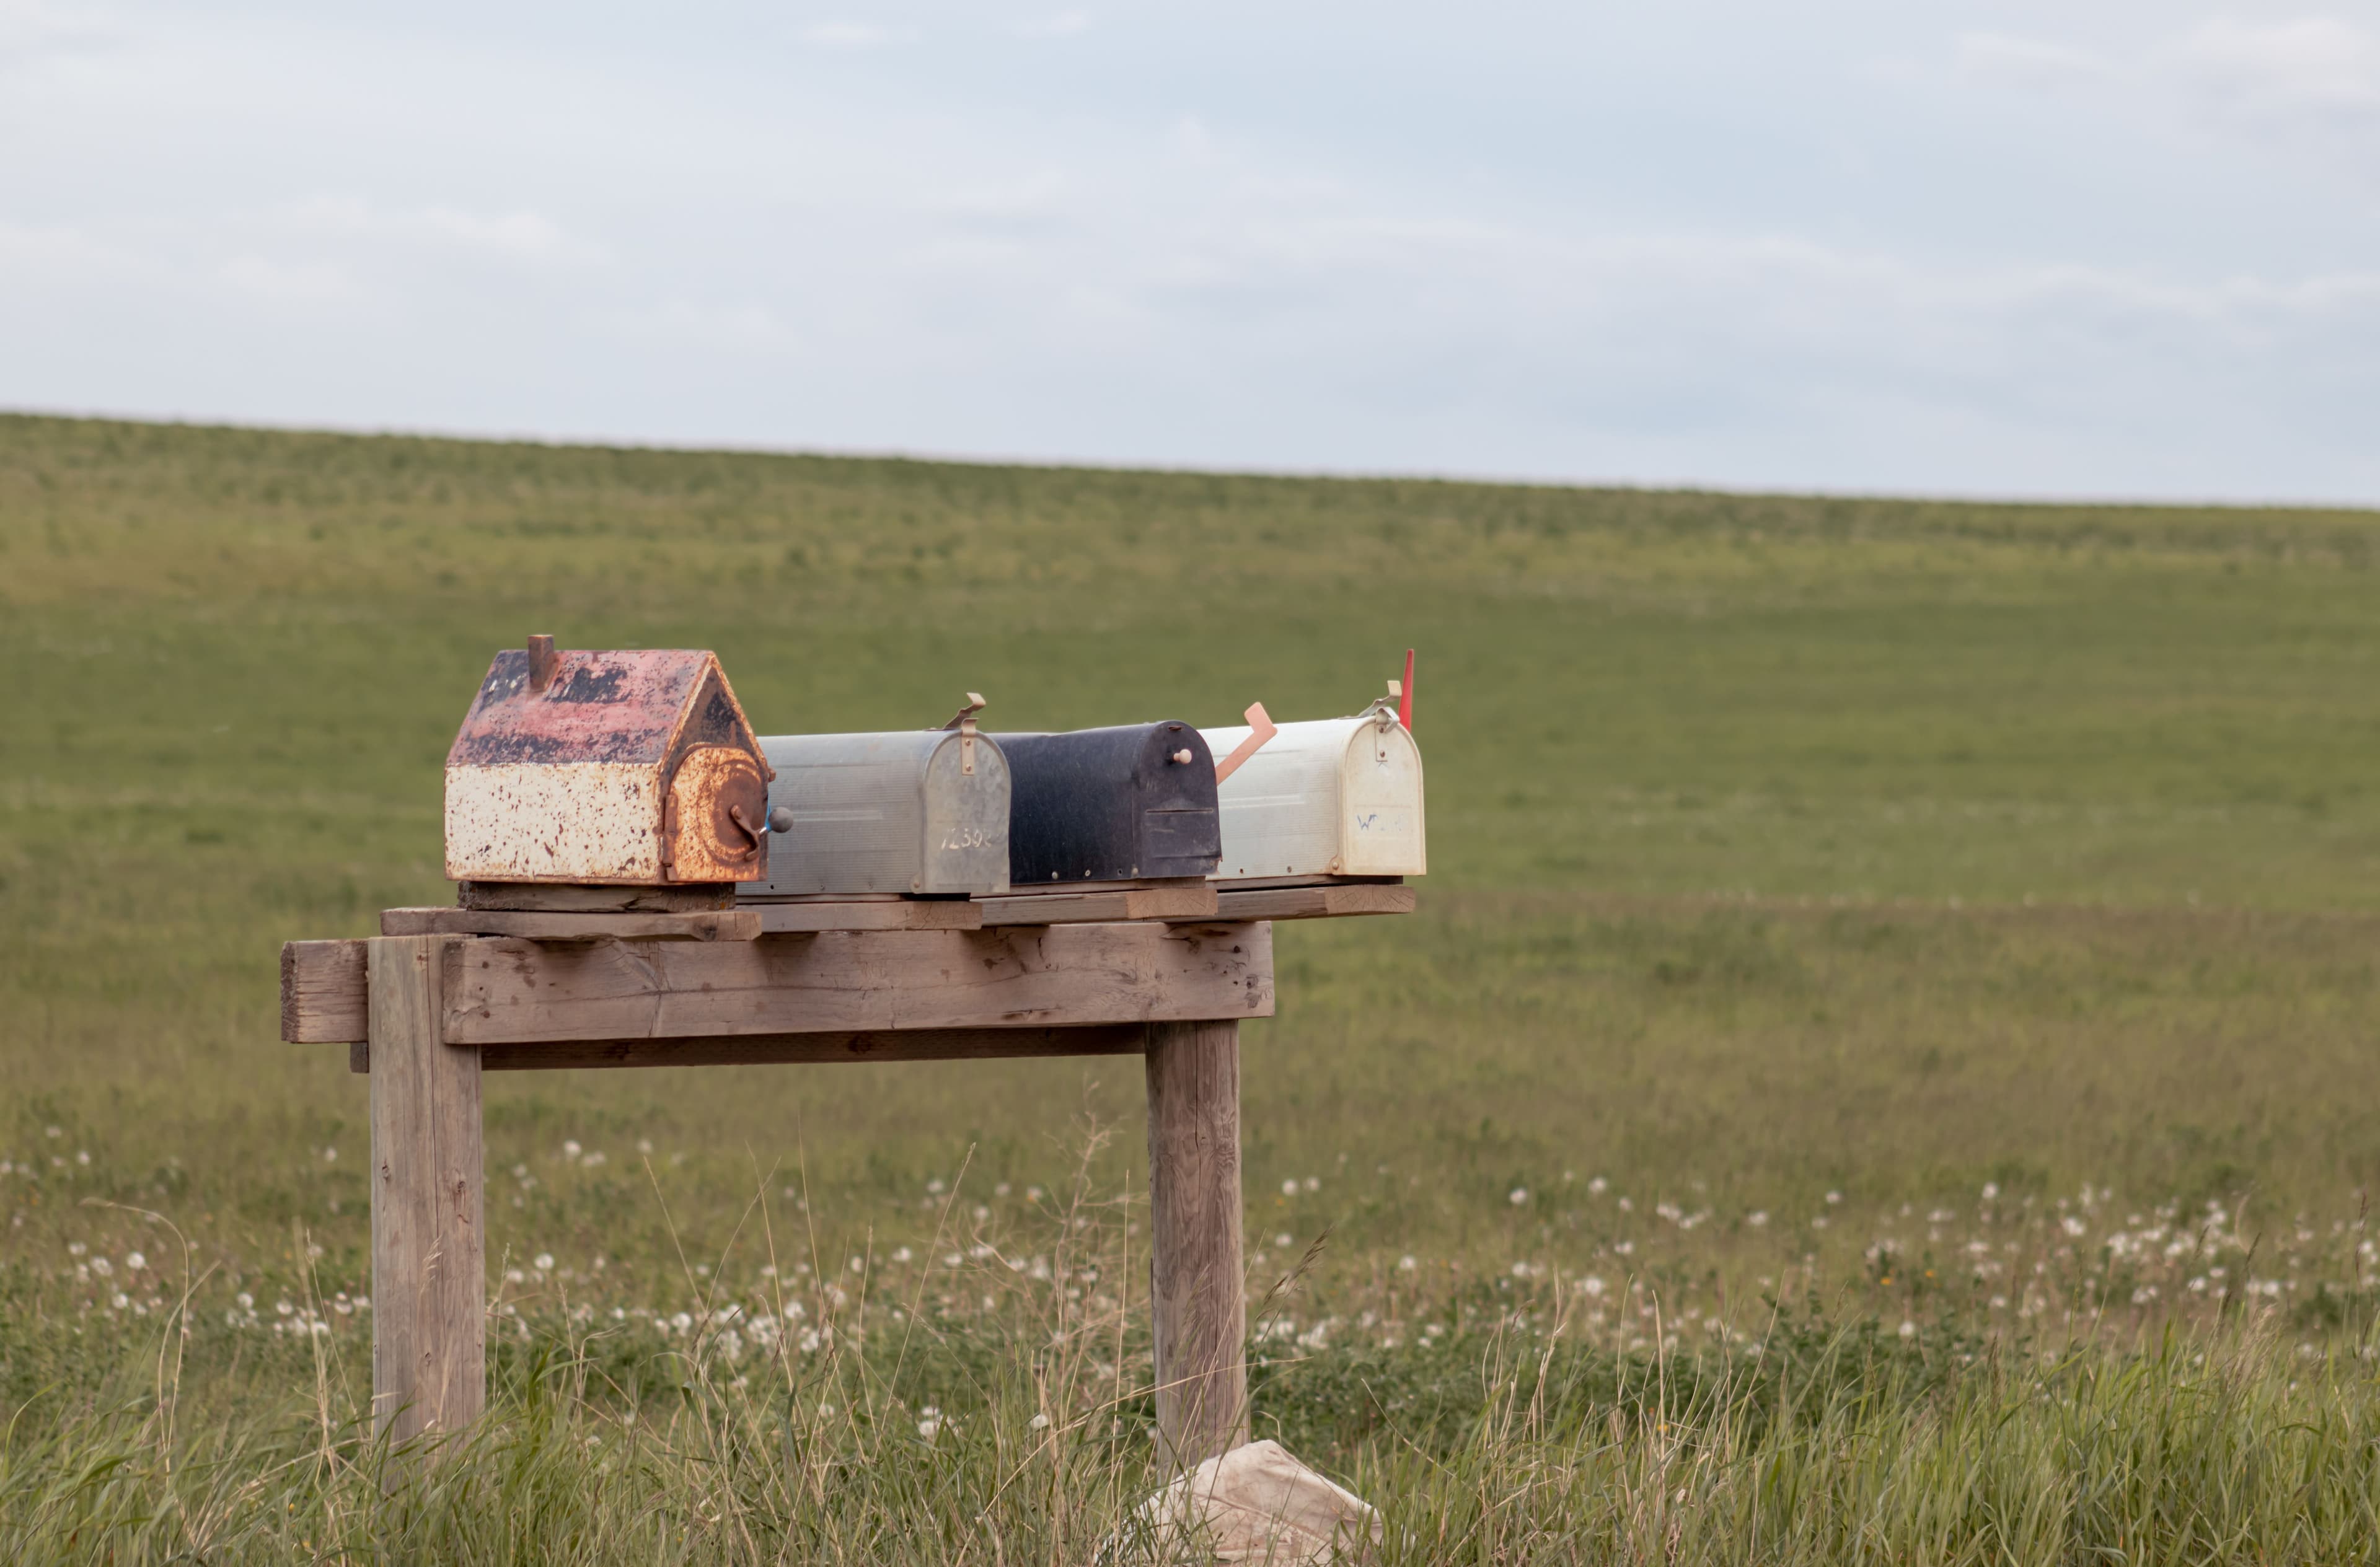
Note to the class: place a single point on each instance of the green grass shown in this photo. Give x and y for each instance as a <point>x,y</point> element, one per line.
<point>1848,886</point>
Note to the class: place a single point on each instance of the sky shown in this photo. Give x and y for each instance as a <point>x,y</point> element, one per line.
<point>2101,248</point>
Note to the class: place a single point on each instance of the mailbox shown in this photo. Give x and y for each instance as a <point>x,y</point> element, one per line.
<point>626,768</point>
<point>919,811</point>
<point>1338,797</point>
<point>1131,803</point>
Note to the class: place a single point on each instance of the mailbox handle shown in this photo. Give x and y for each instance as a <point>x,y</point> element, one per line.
<point>1260,729</point>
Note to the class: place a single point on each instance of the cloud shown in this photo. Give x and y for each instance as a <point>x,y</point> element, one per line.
<point>2311,84</point>
<point>2027,62</point>
<point>857,35</point>
<point>678,325</point>
<point>287,283</point>
<point>2315,71</point>
<point>518,235</point>
<point>1061,24</point>
<point>31,27</point>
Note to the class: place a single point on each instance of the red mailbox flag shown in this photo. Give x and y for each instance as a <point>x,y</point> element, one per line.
<point>1404,694</point>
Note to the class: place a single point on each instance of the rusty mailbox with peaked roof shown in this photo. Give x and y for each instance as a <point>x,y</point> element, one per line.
<point>624,768</point>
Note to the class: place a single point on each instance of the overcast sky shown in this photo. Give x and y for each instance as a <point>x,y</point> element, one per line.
<point>2091,248</point>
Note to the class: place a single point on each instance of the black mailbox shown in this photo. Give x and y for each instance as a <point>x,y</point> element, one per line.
<point>1130,804</point>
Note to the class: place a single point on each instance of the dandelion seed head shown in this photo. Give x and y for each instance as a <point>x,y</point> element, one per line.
<point>1520,1194</point>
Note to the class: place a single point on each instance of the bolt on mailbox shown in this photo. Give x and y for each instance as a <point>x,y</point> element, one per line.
<point>630,767</point>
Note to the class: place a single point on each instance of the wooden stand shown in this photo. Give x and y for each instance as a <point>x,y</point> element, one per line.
<point>425,1014</point>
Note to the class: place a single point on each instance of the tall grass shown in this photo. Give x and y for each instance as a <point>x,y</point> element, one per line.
<point>1021,1435</point>
<point>1958,917</point>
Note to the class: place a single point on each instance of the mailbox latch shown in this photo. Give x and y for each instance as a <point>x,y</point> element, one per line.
<point>965,723</point>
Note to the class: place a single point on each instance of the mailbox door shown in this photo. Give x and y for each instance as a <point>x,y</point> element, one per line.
<point>718,801</point>
<point>1380,803</point>
<point>964,849</point>
<point>1180,826</point>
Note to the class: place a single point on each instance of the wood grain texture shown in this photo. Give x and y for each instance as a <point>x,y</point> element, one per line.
<point>1196,1279</point>
<point>561,898</point>
<point>322,990</point>
<point>921,1044</point>
<point>897,914</point>
<point>720,924</point>
<point>1315,902</point>
<point>1193,901</point>
<point>504,992</point>
<point>429,1251</point>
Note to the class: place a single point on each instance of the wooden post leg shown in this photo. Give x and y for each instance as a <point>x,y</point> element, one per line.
<point>429,1278</point>
<point>1195,1274</point>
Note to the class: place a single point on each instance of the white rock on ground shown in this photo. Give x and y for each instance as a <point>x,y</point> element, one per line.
<point>1257,1504</point>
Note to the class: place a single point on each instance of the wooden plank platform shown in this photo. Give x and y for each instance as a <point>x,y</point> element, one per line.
<point>720,924</point>
<point>502,990</point>
<point>1192,900</point>
<point>570,897</point>
<point>1322,901</point>
<point>888,914</point>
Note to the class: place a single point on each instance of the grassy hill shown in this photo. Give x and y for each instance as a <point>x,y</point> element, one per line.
<point>1804,870</point>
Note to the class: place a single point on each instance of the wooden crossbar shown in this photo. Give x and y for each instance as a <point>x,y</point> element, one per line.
<point>509,991</point>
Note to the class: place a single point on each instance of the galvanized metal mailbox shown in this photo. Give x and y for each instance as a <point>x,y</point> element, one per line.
<point>921,812</point>
<point>623,768</point>
<point>1335,797</point>
<point>1134,802</point>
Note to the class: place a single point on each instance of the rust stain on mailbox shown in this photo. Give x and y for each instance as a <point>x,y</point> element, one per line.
<point>631,767</point>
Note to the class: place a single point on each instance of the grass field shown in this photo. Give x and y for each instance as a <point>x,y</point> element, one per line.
<point>1881,1070</point>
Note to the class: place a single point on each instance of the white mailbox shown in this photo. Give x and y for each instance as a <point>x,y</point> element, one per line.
<point>1331,797</point>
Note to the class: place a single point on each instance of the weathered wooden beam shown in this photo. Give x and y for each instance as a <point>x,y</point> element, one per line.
<point>890,914</point>
<point>428,1235</point>
<point>566,897</point>
<point>503,991</point>
<point>322,990</point>
<point>920,1044</point>
<point>1194,901</point>
<point>1196,1278</point>
<point>1314,902</point>
<point>718,924</point>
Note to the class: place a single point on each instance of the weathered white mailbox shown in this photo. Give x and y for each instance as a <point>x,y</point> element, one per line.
<point>919,813</point>
<point>632,768</point>
<point>1331,797</point>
